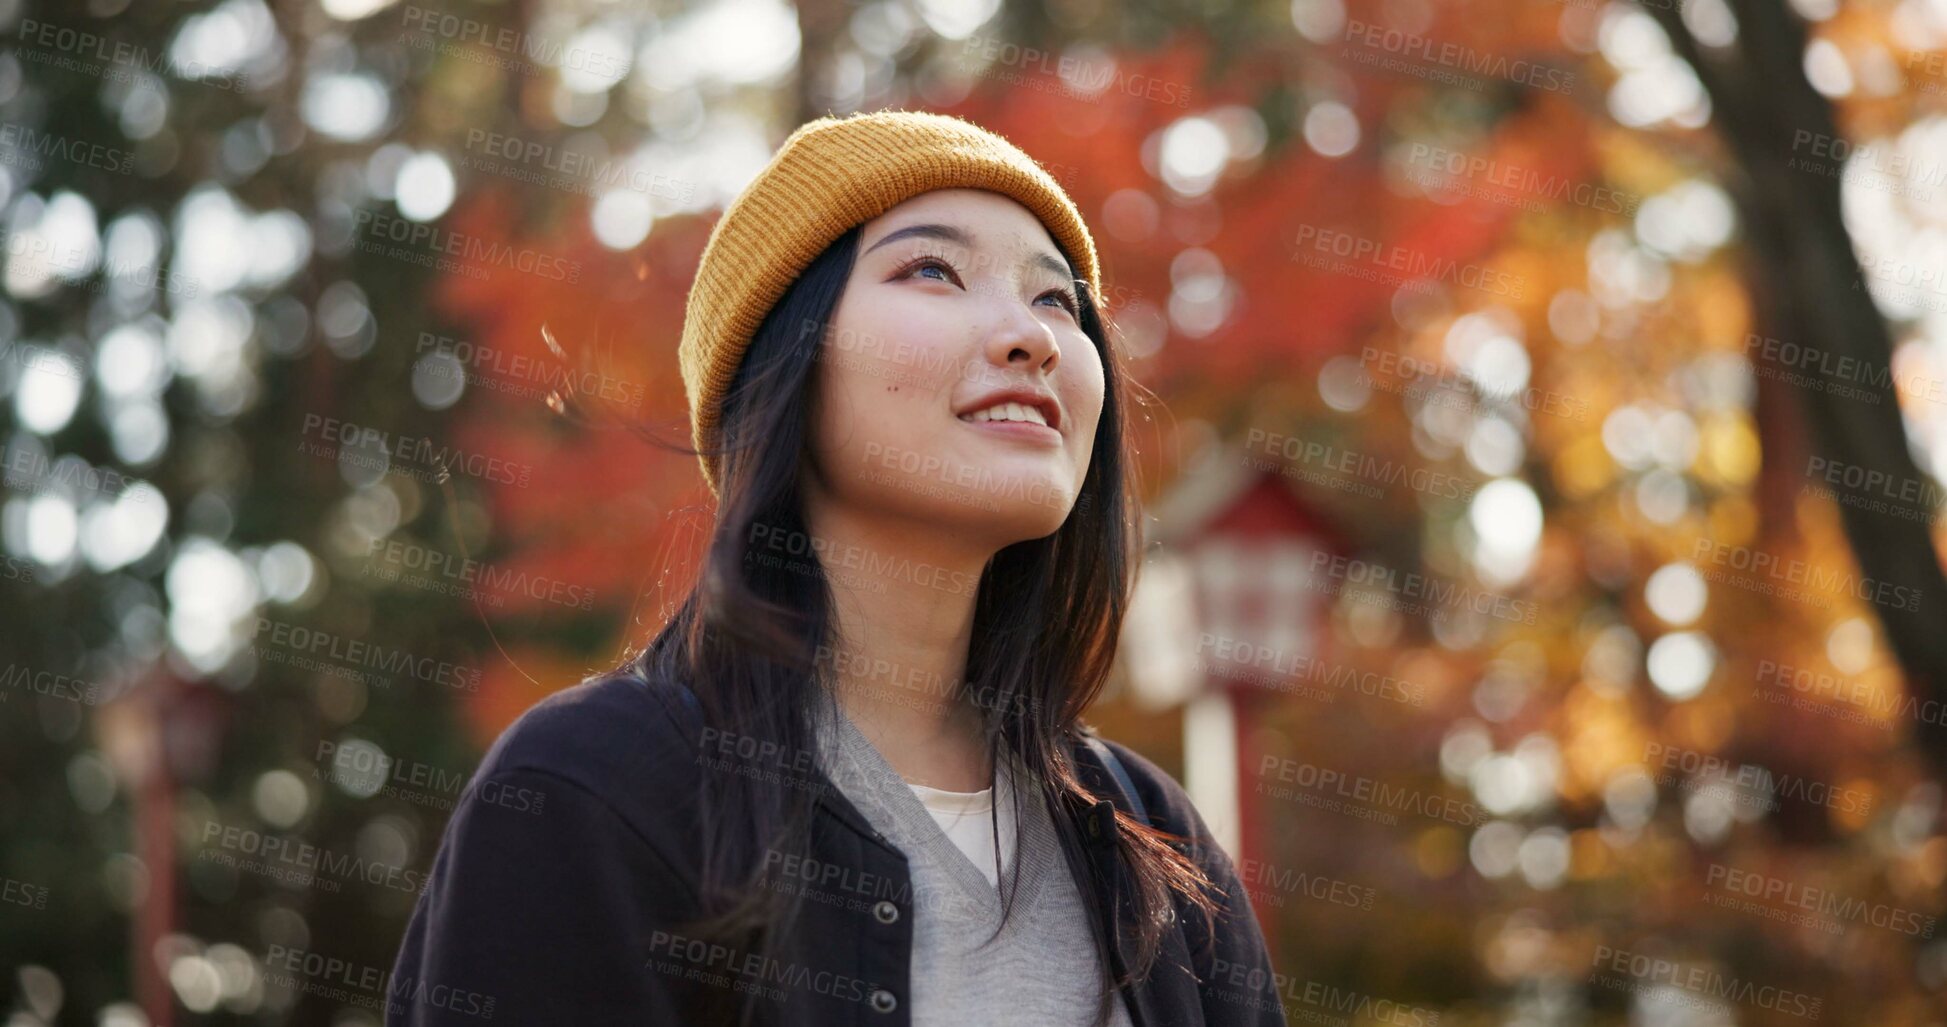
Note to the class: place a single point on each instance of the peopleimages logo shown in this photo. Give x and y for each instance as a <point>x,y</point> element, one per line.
<point>524,376</point>
<point>1458,57</point>
<point>834,557</point>
<point>20,893</point>
<point>723,966</point>
<point>1805,905</point>
<point>358,655</point>
<point>1920,496</point>
<point>425,567</point>
<point>343,980</point>
<point>1820,370</point>
<point>30,470</point>
<point>365,446</point>
<point>1525,181</point>
<point>509,48</point>
<point>86,270</point>
<point>1312,453</point>
<point>300,863</point>
<point>1372,260</point>
<point>1270,885</point>
<point>12,569</point>
<point>1271,667</point>
<point>981,482</point>
<point>851,888</point>
<point>355,762</point>
<point>1856,160</point>
<point>49,684</point>
<point>1411,592</point>
<point>570,170</point>
<point>1787,576</point>
<point>1437,379</point>
<point>1083,78</point>
<point>1707,769</point>
<point>1324,999</point>
<point>1861,701</point>
<point>1636,969</point>
<point>23,143</point>
<point>67,44</point>
<point>432,246</point>
<point>915,687</point>
<point>1371,799</point>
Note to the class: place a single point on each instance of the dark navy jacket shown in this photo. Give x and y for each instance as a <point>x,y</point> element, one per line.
<point>574,850</point>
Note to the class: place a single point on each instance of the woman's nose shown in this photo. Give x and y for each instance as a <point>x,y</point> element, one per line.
<point>1022,339</point>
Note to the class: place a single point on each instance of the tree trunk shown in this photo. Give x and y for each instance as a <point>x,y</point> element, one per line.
<point>1814,292</point>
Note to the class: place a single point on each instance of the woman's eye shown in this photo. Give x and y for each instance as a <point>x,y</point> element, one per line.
<point>1063,300</point>
<point>925,264</point>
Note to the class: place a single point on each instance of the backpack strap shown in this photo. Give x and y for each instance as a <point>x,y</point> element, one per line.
<point>691,703</point>
<point>689,698</point>
<point>1114,764</point>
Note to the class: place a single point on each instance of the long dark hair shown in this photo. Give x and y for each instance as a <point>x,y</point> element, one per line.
<point>750,638</point>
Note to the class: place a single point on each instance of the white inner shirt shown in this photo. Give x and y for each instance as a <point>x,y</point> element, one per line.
<point>967,819</point>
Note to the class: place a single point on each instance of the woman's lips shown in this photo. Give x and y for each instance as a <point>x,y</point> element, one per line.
<point>1023,431</point>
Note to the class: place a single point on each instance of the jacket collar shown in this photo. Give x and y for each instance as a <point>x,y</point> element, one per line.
<point>1094,821</point>
<point>1090,852</point>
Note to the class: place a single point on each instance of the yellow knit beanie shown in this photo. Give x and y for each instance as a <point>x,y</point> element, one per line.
<point>832,175</point>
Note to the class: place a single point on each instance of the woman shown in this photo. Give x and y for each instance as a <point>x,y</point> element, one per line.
<point>849,782</point>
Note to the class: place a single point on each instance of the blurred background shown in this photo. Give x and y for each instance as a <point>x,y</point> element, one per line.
<point>1542,600</point>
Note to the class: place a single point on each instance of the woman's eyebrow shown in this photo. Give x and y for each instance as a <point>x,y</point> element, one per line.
<point>1048,262</point>
<point>946,233</point>
<point>949,233</point>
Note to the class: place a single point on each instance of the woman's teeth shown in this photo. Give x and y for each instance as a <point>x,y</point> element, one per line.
<point>1008,412</point>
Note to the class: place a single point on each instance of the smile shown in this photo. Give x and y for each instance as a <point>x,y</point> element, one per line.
<point>1007,412</point>
<point>1013,420</point>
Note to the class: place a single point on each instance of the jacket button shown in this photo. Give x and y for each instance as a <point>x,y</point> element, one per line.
<point>885,912</point>
<point>1094,828</point>
<point>884,1001</point>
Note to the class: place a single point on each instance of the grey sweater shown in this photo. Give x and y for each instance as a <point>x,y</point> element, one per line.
<point>1042,969</point>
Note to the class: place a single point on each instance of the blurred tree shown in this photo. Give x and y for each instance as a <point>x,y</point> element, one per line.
<point>223,330</point>
<point>1785,146</point>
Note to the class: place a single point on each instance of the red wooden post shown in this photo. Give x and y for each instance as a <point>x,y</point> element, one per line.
<point>156,842</point>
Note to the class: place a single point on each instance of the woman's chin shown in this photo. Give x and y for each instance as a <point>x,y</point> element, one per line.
<point>1009,503</point>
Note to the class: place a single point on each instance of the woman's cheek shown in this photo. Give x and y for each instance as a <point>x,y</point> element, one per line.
<point>883,410</point>
<point>1087,400</point>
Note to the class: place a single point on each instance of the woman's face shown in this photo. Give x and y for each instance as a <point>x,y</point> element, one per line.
<point>956,385</point>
